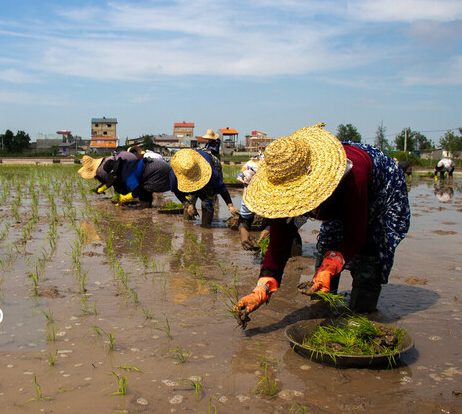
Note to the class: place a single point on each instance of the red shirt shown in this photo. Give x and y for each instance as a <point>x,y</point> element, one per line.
<point>349,204</point>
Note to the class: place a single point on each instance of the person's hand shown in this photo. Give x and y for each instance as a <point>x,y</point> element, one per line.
<point>232,210</point>
<point>247,241</point>
<point>331,265</point>
<point>261,294</point>
<point>101,189</point>
<point>191,211</point>
<point>264,233</point>
<point>124,199</point>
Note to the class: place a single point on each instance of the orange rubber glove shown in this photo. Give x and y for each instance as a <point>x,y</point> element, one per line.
<point>261,294</point>
<point>331,265</point>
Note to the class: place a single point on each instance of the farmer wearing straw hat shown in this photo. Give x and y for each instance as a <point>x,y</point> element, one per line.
<point>213,143</point>
<point>195,175</point>
<point>357,192</point>
<point>94,168</point>
<point>139,179</point>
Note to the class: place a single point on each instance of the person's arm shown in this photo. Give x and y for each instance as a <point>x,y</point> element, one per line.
<point>282,234</point>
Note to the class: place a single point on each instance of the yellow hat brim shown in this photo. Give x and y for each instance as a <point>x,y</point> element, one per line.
<point>188,184</point>
<point>297,197</point>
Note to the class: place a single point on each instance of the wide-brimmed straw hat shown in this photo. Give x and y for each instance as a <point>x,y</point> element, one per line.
<point>210,134</point>
<point>298,173</point>
<point>191,169</point>
<point>90,165</point>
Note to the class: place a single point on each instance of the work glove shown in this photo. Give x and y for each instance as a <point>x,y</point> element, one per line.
<point>101,189</point>
<point>261,294</point>
<point>125,198</point>
<point>331,265</point>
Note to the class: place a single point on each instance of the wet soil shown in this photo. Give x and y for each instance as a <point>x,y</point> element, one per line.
<point>153,283</point>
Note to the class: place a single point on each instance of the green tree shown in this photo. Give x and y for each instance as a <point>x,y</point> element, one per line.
<point>451,142</point>
<point>21,141</point>
<point>7,140</point>
<point>14,143</point>
<point>415,141</point>
<point>148,142</point>
<point>380,141</point>
<point>348,133</point>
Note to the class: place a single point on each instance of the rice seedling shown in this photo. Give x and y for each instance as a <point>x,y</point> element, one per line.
<point>51,332</point>
<point>88,308</point>
<point>211,408</point>
<point>165,328</point>
<point>263,244</point>
<point>194,383</point>
<point>266,385</point>
<point>129,368</point>
<point>148,315</point>
<point>179,354</point>
<point>111,340</point>
<point>122,384</point>
<point>49,316</point>
<point>35,278</point>
<point>51,358</point>
<point>334,300</point>
<point>297,408</point>
<point>38,392</point>
<point>354,335</point>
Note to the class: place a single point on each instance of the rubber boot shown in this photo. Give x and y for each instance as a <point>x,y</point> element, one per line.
<point>207,217</point>
<point>366,284</point>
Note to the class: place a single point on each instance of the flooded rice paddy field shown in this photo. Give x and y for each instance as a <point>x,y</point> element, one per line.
<point>120,310</point>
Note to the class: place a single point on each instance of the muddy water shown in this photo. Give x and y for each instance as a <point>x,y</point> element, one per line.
<point>154,285</point>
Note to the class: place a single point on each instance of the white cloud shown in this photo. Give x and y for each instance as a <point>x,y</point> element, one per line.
<point>443,73</point>
<point>15,76</point>
<point>405,10</point>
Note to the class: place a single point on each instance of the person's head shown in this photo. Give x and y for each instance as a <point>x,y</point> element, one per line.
<point>89,167</point>
<point>137,150</point>
<point>191,170</point>
<point>248,171</point>
<point>299,172</point>
<point>210,134</point>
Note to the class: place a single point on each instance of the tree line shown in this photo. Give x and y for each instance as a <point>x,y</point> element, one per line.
<point>412,140</point>
<point>14,143</point>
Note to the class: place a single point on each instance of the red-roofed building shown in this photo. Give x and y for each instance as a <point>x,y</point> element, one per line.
<point>184,132</point>
<point>256,141</point>
<point>229,140</point>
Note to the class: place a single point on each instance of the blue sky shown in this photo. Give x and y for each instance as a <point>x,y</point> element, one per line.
<point>270,65</point>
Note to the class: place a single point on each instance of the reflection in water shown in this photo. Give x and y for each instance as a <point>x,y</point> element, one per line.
<point>444,193</point>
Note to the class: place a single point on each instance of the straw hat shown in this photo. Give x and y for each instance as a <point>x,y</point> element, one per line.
<point>211,134</point>
<point>299,172</point>
<point>90,165</point>
<point>191,169</point>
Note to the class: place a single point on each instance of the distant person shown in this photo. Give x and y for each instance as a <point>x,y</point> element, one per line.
<point>94,168</point>
<point>140,152</point>
<point>213,143</point>
<point>195,175</point>
<point>139,178</point>
<point>443,166</point>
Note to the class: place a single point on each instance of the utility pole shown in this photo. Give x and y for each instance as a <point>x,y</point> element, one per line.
<point>405,139</point>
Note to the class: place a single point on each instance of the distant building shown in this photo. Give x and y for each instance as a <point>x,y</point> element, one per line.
<point>59,144</point>
<point>229,140</point>
<point>183,132</point>
<point>103,134</point>
<point>256,141</point>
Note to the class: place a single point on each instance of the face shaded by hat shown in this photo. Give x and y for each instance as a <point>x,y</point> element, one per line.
<point>299,172</point>
<point>89,167</point>
<point>210,134</point>
<point>191,169</point>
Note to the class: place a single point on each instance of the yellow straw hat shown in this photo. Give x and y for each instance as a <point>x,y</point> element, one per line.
<point>90,165</point>
<point>298,173</point>
<point>191,169</point>
<point>210,134</point>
